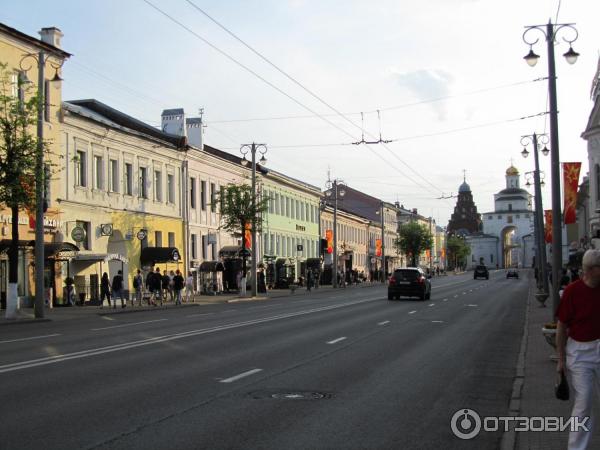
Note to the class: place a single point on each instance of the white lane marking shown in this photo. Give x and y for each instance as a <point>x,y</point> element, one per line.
<point>229,310</point>
<point>241,375</point>
<point>169,337</point>
<point>437,321</point>
<point>335,341</point>
<point>431,304</point>
<point>107,318</point>
<point>472,305</point>
<point>470,290</point>
<point>198,315</point>
<point>464,293</point>
<point>450,284</point>
<point>383,323</point>
<point>445,300</point>
<point>456,296</point>
<point>412,312</point>
<point>127,325</point>
<point>29,338</point>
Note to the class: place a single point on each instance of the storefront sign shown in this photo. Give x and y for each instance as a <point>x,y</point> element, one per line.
<point>78,234</point>
<point>117,257</point>
<point>142,234</point>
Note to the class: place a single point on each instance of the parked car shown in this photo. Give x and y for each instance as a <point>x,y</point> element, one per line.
<point>512,273</point>
<point>409,282</point>
<point>481,272</point>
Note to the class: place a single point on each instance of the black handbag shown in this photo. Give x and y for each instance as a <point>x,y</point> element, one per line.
<point>561,389</point>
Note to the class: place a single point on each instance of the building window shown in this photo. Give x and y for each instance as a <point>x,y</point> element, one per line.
<point>143,182</point>
<point>80,178</point>
<point>510,206</point>
<point>499,217</point>
<point>203,195</point>
<point>128,179</point>
<point>204,247</point>
<point>193,193</point>
<point>491,258</point>
<point>213,197</point>
<point>157,186</point>
<point>518,216</point>
<point>171,188</point>
<point>194,244</point>
<point>509,219</point>
<point>114,175</point>
<point>158,238</point>
<point>98,172</point>
<point>171,238</point>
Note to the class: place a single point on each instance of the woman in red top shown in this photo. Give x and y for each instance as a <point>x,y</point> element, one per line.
<point>578,343</point>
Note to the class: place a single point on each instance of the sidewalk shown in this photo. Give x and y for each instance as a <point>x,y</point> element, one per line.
<point>26,315</point>
<point>533,390</point>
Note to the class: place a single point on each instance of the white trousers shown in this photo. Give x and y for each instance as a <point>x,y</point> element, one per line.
<point>583,364</point>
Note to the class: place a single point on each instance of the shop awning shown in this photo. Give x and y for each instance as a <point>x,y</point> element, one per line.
<point>58,250</point>
<point>313,263</point>
<point>5,244</point>
<point>212,266</point>
<point>233,251</point>
<point>99,257</point>
<point>155,255</point>
<point>284,262</point>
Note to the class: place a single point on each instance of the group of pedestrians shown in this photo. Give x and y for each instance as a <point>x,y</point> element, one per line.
<point>159,287</point>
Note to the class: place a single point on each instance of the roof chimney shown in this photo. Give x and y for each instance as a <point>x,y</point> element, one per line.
<point>52,36</point>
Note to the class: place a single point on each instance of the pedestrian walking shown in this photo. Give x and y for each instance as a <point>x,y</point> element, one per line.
<point>158,286</point>
<point>138,286</point>
<point>578,343</point>
<point>309,280</point>
<point>166,285</point>
<point>261,285</point>
<point>117,289</point>
<point>171,289</point>
<point>178,283</point>
<point>104,289</point>
<point>189,287</point>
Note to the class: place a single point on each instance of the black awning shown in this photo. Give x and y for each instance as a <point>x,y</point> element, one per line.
<point>212,266</point>
<point>155,255</point>
<point>284,262</point>
<point>59,249</point>
<point>313,263</point>
<point>5,244</point>
<point>233,251</point>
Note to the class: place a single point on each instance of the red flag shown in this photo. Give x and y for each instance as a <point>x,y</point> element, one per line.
<point>329,237</point>
<point>570,183</point>
<point>248,237</point>
<point>548,226</point>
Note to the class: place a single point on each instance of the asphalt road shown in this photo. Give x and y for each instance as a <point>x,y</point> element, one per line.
<point>343,369</point>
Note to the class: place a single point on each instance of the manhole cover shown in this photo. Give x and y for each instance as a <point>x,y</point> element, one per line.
<point>298,395</point>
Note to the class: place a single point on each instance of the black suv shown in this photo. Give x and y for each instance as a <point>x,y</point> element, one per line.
<point>481,272</point>
<point>409,282</point>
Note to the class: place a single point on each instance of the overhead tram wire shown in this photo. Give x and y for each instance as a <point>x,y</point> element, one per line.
<point>287,95</point>
<point>308,91</point>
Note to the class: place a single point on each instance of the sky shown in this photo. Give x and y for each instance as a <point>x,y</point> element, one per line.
<point>444,80</point>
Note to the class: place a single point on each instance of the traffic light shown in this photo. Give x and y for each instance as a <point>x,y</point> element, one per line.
<point>323,247</point>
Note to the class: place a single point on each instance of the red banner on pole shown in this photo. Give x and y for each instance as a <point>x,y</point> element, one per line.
<point>377,247</point>
<point>248,237</point>
<point>570,183</point>
<point>548,226</point>
<point>329,237</point>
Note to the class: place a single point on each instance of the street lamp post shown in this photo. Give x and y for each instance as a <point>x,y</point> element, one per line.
<point>41,58</point>
<point>550,32</point>
<point>542,281</point>
<point>335,190</point>
<point>262,149</point>
<point>380,213</point>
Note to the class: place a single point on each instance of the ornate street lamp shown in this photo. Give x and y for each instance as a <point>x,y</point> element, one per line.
<point>244,150</point>
<point>41,59</point>
<point>550,32</point>
<point>542,278</point>
<point>336,190</point>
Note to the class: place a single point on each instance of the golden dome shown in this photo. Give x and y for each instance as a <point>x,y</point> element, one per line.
<point>511,171</point>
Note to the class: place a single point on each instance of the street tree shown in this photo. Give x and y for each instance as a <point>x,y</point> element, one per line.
<point>18,150</point>
<point>413,239</point>
<point>458,250</point>
<point>239,212</point>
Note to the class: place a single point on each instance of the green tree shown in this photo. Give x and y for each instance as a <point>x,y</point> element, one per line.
<point>413,239</point>
<point>458,250</point>
<point>18,150</point>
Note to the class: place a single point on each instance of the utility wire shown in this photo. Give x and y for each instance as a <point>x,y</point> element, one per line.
<point>305,89</point>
